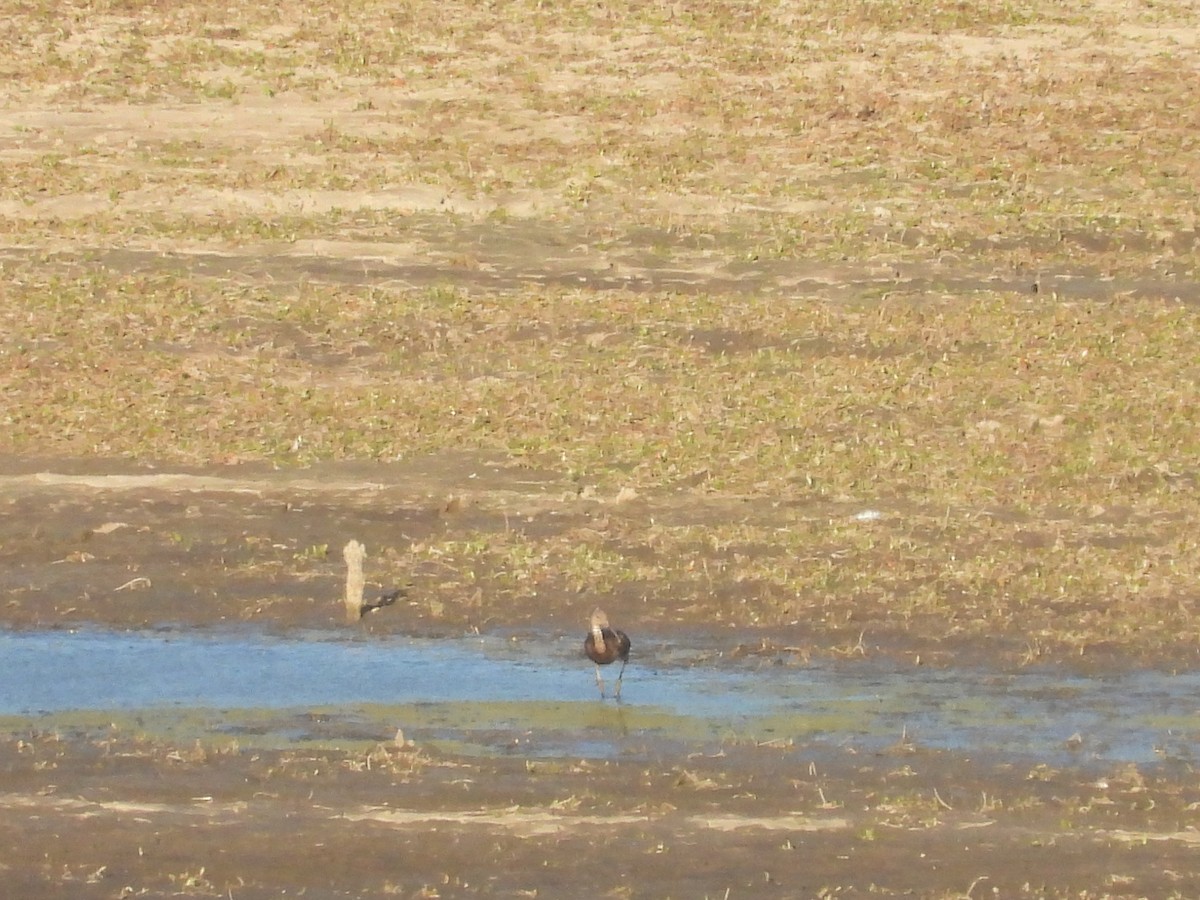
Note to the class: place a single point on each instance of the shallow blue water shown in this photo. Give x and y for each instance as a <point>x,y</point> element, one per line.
<point>1137,716</point>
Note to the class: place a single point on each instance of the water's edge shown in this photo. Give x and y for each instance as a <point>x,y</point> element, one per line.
<point>538,697</point>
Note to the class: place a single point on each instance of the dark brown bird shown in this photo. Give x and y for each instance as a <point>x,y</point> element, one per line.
<point>604,645</point>
<point>385,599</point>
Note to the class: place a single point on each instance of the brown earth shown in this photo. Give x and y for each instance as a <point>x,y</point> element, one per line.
<point>116,811</point>
<point>115,816</point>
<point>446,279</point>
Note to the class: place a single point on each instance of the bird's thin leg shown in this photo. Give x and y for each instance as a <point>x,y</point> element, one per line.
<point>599,682</point>
<point>620,675</point>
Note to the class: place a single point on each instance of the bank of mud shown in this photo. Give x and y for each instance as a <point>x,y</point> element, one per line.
<point>102,812</point>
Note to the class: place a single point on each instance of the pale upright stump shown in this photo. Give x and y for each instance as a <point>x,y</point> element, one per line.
<point>354,553</point>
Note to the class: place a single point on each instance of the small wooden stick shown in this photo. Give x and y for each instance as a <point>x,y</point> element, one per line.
<point>354,554</point>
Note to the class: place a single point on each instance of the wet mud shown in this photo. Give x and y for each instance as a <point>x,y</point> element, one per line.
<point>185,706</point>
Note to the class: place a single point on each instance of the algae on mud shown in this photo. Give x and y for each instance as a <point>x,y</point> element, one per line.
<point>533,697</point>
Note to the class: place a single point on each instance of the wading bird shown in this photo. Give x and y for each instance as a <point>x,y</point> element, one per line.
<point>604,645</point>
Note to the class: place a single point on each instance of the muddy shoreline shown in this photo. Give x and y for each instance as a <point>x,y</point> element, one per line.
<point>103,815</point>
<point>119,806</point>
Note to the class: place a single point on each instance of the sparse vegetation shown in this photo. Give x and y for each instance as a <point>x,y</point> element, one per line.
<point>785,276</point>
<point>1025,456</point>
<point>854,324</point>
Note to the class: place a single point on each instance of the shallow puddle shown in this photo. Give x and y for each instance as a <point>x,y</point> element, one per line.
<point>535,695</point>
